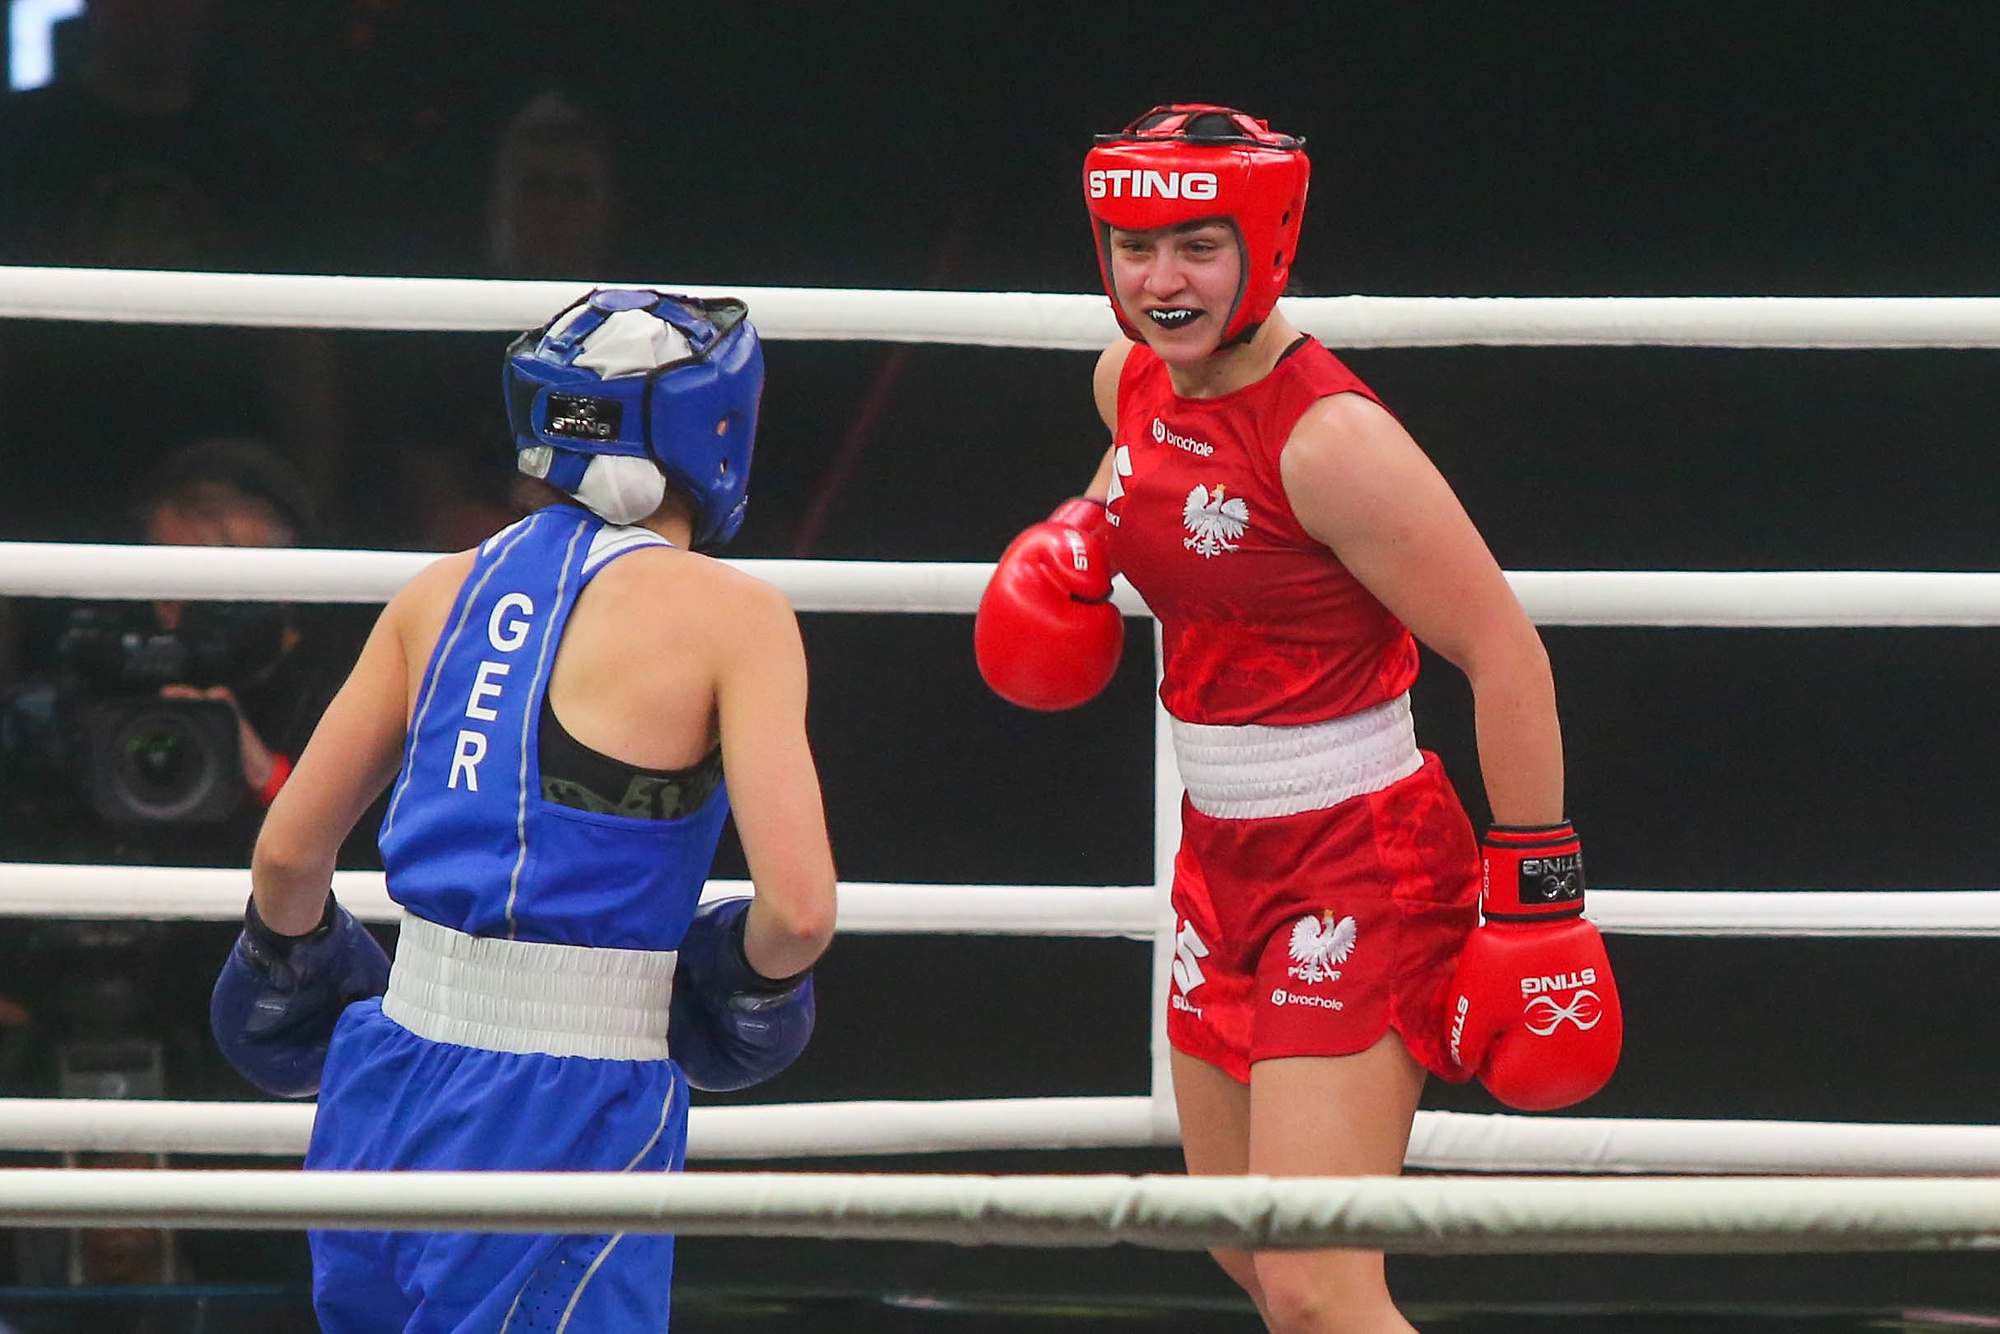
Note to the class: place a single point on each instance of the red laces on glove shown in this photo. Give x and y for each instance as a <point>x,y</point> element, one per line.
<point>1531,873</point>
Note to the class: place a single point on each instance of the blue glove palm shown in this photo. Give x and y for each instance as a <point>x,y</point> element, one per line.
<point>278,997</point>
<point>729,1026</point>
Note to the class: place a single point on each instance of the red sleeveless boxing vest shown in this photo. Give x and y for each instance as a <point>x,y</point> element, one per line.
<point>1261,623</point>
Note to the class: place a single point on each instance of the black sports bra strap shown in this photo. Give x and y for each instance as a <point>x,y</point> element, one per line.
<point>576,776</point>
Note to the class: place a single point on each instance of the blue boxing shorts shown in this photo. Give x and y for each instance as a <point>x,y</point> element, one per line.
<point>391,1099</point>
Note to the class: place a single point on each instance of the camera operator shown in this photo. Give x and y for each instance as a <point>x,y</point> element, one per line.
<point>149,733</point>
<point>280,664</point>
<point>233,493</point>
<point>162,729</point>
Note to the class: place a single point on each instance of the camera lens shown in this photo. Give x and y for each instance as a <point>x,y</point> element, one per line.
<point>162,767</point>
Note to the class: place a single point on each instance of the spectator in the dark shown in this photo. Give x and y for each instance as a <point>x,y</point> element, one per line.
<point>132,158</point>
<point>122,161</point>
<point>551,213</point>
<point>552,208</point>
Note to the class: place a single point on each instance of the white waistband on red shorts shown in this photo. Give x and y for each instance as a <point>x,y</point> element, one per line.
<point>529,995</point>
<point>1253,772</point>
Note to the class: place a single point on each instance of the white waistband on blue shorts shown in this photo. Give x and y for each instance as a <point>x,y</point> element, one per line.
<point>1253,772</point>
<point>528,995</point>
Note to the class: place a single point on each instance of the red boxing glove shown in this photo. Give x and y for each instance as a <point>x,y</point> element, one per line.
<point>1047,636</point>
<point>1533,1010</point>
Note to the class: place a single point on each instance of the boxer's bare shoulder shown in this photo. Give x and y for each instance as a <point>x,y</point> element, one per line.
<point>670,597</point>
<point>416,615</point>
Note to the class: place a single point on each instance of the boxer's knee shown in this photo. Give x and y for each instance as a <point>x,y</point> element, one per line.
<point>1325,1292</point>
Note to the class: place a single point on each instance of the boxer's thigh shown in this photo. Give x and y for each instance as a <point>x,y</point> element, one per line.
<point>1331,1116</point>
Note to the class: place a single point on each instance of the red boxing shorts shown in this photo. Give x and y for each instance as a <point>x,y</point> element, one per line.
<point>1314,934</point>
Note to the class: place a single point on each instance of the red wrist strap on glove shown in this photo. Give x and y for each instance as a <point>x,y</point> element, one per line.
<point>281,769</point>
<point>1531,873</point>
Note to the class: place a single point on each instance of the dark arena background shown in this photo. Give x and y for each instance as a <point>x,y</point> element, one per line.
<point>1783,148</point>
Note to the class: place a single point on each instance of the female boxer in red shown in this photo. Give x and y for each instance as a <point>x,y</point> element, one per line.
<point>1290,536</point>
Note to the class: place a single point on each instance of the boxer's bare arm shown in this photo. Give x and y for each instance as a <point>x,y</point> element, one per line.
<point>773,784</point>
<point>354,752</point>
<point>1360,484</point>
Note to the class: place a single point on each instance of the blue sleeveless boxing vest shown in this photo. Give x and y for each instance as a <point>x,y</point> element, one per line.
<point>468,841</point>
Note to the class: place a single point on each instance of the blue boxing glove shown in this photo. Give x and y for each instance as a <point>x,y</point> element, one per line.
<point>278,998</point>
<point>729,1026</point>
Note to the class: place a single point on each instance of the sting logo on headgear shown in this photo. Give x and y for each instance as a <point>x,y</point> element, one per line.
<point>1142,184</point>
<point>1193,161</point>
<point>578,418</point>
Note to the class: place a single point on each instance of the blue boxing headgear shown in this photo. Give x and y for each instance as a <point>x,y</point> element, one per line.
<point>629,389</point>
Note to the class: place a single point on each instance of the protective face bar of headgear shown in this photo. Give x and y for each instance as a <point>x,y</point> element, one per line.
<point>629,389</point>
<point>1193,161</point>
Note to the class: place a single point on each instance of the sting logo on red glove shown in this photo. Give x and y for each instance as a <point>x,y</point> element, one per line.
<point>1543,1016</point>
<point>1551,879</point>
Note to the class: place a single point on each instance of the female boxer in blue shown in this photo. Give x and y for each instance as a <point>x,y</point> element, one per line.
<point>557,709</point>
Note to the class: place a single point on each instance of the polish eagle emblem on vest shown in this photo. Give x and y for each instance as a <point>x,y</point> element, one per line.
<point>1214,521</point>
<point>1319,943</point>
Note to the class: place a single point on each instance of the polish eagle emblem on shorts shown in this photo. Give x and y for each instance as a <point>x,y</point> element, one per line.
<point>1214,521</point>
<point>1319,943</point>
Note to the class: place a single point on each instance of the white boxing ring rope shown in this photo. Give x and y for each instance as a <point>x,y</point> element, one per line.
<point>216,894</point>
<point>1418,1215</point>
<point>1005,319</point>
<point>1440,1141</point>
<point>1710,599</point>
<point>1432,1214</point>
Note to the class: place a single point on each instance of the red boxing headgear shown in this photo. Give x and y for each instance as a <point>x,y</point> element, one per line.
<point>1190,161</point>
